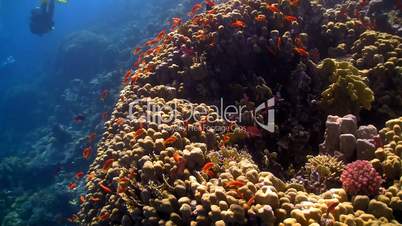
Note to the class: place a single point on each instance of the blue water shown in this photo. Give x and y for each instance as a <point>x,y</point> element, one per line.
<point>43,87</point>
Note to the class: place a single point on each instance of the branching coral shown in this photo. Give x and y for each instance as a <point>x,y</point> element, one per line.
<point>347,92</point>
<point>321,173</point>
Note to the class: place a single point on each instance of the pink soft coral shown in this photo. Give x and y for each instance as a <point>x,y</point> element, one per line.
<point>360,178</point>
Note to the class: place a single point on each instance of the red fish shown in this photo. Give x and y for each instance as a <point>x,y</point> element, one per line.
<point>195,9</point>
<point>273,8</point>
<point>120,121</point>
<point>161,35</point>
<point>234,184</point>
<point>210,3</point>
<point>79,118</point>
<point>127,76</point>
<point>239,24</point>
<point>137,51</point>
<point>251,201</point>
<point>94,199</point>
<point>107,164</point>
<point>79,175</point>
<point>86,153</point>
<point>290,19</point>
<point>180,162</point>
<point>169,140</point>
<point>91,176</point>
<point>91,137</point>
<point>72,186</point>
<point>139,132</point>
<point>104,216</point>
<point>207,168</point>
<point>104,188</point>
<point>175,22</point>
<point>301,51</point>
<point>104,94</point>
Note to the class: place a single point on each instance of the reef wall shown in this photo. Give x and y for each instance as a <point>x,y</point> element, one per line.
<point>186,172</point>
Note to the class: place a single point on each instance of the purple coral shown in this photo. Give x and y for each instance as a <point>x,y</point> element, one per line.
<point>360,178</point>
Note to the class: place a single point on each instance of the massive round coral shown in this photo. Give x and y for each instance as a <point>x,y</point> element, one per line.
<point>360,178</point>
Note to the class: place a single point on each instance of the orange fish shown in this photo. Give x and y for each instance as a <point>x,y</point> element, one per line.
<point>120,121</point>
<point>180,162</point>
<point>138,61</point>
<point>301,51</point>
<point>79,175</point>
<point>127,75</point>
<point>104,216</point>
<point>290,19</point>
<point>251,201</point>
<point>135,77</point>
<point>104,94</point>
<point>207,168</point>
<point>91,176</point>
<point>239,24</point>
<point>234,184</point>
<point>261,18</point>
<point>91,137</point>
<point>104,188</point>
<point>82,199</point>
<point>273,8</point>
<point>139,132</point>
<point>195,9</point>
<point>72,186</point>
<point>175,22</point>
<point>161,35</point>
<point>94,199</point>
<point>137,51</point>
<point>294,3</point>
<point>210,3</point>
<point>169,140</point>
<point>107,164</point>
<point>86,153</point>
<point>226,139</point>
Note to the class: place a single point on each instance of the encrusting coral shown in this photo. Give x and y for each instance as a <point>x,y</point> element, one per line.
<point>347,92</point>
<point>184,171</point>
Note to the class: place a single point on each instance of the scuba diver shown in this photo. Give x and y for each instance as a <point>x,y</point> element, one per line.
<point>42,18</point>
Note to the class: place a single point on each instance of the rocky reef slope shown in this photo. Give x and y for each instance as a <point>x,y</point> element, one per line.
<point>181,169</point>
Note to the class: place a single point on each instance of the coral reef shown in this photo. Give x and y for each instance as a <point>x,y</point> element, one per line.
<point>180,169</point>
<point>380,54</point>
